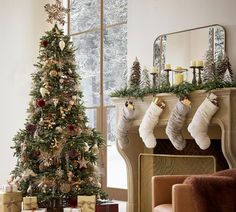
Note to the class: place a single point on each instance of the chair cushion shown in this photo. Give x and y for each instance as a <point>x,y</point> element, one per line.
<point>163,208</point>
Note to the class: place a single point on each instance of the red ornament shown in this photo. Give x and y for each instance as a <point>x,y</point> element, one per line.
<point>71,127</point>
<point>40,103</point>
<point>44,43</point>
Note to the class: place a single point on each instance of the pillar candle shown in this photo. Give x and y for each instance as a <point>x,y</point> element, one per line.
<point>193,63</point>
<point>167,66</point>
<point>154,70</point>
<point>199,63</point>
<point>179,78</point>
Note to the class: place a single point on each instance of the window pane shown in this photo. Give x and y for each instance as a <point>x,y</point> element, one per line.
<point>87,56</point>
<point>92,117</point>
<point>115,11</point>
<point>85,15</point>
<point>115,59</point>
<point>116,167</point>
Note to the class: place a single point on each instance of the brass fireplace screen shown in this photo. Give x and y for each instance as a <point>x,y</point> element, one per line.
<point>157,164</point>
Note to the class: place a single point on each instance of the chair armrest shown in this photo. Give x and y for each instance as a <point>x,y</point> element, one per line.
<point>182,198</point>
<point>162,188</point>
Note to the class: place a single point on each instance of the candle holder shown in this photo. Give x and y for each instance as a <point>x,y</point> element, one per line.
<point>168,76</point>
<point>179,75</point>
<point>194,80</point>
<point>200,68</point>
<point>154,81</point>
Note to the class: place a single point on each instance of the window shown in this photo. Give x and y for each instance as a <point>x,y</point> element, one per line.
<point>99,31</point>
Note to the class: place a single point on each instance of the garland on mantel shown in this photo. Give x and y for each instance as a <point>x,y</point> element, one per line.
<point>181,90</point>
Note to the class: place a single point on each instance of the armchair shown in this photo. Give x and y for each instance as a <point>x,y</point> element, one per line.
<point>170,195</point>
<point>196,193</point>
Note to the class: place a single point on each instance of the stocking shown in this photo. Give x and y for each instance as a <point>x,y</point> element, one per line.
<point>175,124</point>
<point>148,123</point>
<point>125,124</point>
<point>201,119</point>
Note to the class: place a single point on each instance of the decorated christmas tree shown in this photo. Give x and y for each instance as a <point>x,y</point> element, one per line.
<point>57,152</point>
<point>135,75</point>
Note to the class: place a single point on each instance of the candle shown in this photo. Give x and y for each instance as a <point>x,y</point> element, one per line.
<point>179,78</point>
<point>199,63</point>
<point>167,66</point>
<point>193,63</point>
<point>179,68</point>
<point>154,70</point>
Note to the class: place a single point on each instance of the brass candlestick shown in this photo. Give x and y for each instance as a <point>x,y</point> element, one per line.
<point>200,68</point>
<point>194,81</point>
<point>167,76</point>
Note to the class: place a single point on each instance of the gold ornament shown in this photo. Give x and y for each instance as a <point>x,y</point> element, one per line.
<point>70,175</point>
<point>71,102</point>
<point>74,98</point>
<point>62,45</point>
<point>65,188</point>
<point>56,12</point>
<point>53,73</point>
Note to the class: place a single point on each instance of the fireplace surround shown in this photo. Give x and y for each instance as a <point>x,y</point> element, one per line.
<point>222,129</point>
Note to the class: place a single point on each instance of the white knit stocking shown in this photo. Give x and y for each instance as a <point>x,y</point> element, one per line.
<point>148,123</point>
<point>199,124</point>
<point>124,125</point>
<point>175,125</point>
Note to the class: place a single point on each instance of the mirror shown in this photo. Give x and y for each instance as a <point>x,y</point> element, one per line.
<point>179,48</point>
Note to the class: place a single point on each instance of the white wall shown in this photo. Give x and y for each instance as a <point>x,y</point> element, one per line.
<point>149,18</point>
<point>22,24</point>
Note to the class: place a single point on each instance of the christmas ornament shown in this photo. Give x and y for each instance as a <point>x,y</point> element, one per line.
<point>55,101</point>
<point>73,153</point>
<point>43,92</point>
<point>70,175</point>
<point>61,80</point>
<point>59,129</point>
<point>31,128</point>
<point>201,119</point>
<point>40,103</point>
<point>71,102</point>
<point>71,127</point>
<point>83,163</point>
<point>53,73</point>
<point>44,43</point>
<point>62,45</point>
<point>65,188</point>
<point>95,149</point>
<point>125,123</point>
<point>149,121</point>
<point>86,147</point>
<point>176,122</point>
<point>59,172</point>
<point>74,98</point>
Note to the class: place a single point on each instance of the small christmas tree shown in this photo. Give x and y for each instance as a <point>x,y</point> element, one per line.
<point>57,152</point>
<point>134,80</point>
<point>223,66</point>
<point>145,80</point>
<point>209,72</point>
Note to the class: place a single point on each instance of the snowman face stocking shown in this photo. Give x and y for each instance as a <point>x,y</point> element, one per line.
<point>176,123</point>
<point>201,119</point>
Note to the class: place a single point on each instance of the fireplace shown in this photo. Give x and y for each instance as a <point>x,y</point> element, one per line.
<point>222,131</point>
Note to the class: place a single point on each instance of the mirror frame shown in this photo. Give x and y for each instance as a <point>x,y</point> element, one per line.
<point>160,37</point>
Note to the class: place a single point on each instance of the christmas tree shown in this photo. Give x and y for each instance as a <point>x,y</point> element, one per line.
<point>145,80</point>
<point>57,151</point>
<point>134,80</point>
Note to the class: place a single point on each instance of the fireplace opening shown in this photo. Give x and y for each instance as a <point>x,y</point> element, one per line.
<point>164,146</point>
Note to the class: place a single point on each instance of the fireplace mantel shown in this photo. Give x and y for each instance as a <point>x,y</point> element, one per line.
<point>225,119</point>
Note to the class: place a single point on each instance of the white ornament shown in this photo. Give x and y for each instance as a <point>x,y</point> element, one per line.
<point>44,91</point>
<point>61,80</point>
<point>55,102</point>
<point>71,102</point>
<point>86,147</point>
<point>59,129</point>
<point>62,45</point>
<point>74,97</point>
<point>95,149</point>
